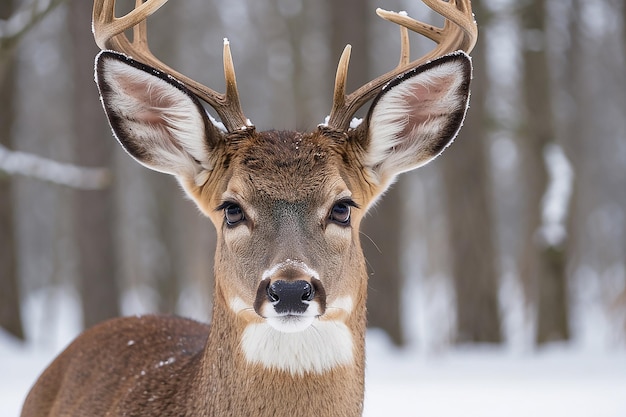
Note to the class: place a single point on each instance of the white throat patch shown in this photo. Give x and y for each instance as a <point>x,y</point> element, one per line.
<point>321,347</point>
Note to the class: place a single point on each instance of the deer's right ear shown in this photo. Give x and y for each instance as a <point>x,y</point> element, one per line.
<point>154,117</point>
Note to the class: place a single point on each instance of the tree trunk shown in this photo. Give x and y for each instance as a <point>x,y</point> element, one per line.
<point>10,315</point>
<point>165,220</point>
<point>94,210</point>
<point>465,169</point>
<point>384,259</point>
<point>542,264</point>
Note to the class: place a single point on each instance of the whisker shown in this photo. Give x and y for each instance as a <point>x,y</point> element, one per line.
<point>371,240</point>
<point>317,332</point>
<point>336,308</point>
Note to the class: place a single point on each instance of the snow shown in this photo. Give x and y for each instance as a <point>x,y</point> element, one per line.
<point>354,123</point>
<point>558,195</point>
<point>219,125</point>
<point>490,382</point>
<point>19,367</point>
<point>472,381</point>
<point>27,164</point>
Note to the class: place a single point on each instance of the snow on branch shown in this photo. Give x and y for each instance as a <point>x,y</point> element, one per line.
<point>13,28</point>
<point>27,164</point>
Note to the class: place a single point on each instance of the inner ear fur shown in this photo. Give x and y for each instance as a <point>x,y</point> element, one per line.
<point>154,117</point>
<point>416,116</point>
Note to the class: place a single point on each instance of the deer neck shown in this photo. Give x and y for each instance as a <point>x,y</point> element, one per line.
<point>231,383</point>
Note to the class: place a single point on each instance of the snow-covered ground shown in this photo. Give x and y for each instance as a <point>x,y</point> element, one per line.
<point>487,382</point>
<point>472,382</point>
<point>583,380</point>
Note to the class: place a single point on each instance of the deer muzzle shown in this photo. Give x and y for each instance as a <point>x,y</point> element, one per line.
<point>290,297</point>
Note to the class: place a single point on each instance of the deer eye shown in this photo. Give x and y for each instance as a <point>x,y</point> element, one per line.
<point>340,213</point>
<point>233,214</point>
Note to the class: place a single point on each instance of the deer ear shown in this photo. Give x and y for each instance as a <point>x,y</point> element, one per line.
<point>155,118</point>
<point>416,116</point>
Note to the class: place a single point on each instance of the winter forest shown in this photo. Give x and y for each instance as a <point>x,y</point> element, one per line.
<point>514,240</point>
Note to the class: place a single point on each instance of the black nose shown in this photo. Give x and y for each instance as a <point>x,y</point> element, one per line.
<point>290,296</point>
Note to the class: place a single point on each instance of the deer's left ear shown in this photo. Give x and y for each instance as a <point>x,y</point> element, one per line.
<point>416,116</point>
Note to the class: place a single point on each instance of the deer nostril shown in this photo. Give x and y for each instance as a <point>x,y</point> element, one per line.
<point>272,293</point>
<point>308,293</point>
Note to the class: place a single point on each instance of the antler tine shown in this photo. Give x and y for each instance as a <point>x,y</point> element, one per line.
<point>231,97</point>
<point>339,98</point>
<point>459,28</point>
<point>109,34</point>
<point>458,33</point>
<point>106,26</point>
<point>405,47</point>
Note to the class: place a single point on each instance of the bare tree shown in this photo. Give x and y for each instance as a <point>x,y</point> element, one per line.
<point>382,242</point>
<point>10,316</point>
<point>94,210</point>
<point>542,262</point>
<point>19,22</point>
<point>593,79</point>
<point>470,220</point>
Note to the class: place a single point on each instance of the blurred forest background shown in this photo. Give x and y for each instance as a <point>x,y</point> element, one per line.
<point>515,236</point>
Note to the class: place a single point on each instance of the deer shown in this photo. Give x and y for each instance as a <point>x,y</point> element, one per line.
<point>287,333</point>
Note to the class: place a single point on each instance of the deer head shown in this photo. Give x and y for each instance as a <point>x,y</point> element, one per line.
<point>286,205</point>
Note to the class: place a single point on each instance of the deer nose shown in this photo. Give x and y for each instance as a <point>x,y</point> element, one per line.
<point>290,296</point>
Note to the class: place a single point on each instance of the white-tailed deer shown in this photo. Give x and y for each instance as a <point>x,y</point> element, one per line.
<point>288,326</point>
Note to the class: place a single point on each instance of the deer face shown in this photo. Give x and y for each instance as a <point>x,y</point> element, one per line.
<point>286,205</point>
<point>287,220</point>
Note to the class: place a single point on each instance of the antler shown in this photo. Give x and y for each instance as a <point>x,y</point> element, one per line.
<point>458,33</point>
<point>109,30</point>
